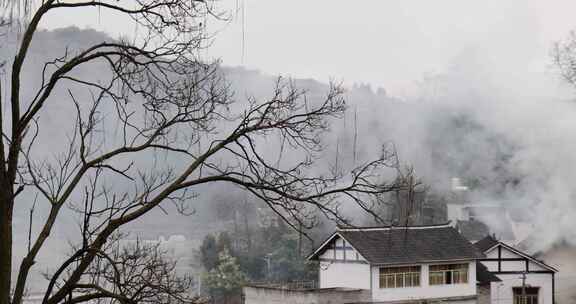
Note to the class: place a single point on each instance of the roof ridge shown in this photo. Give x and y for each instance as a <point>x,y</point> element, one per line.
<point>404,245</point>
<point>384,228</point>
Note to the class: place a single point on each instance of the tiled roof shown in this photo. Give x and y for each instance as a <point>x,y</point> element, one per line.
<point>486,243</point>
<point>405,245</point>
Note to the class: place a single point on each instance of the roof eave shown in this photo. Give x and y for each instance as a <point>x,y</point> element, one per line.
<point>533,259</point>
<point>429,261</point>
<point>314,254</point>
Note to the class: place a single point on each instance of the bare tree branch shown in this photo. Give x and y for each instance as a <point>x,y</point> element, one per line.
<point>159,99</point>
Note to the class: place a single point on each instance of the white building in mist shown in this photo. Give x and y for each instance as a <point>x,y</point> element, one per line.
<point>416,265</point>
<point>432,264</point>
<point>523,278</point>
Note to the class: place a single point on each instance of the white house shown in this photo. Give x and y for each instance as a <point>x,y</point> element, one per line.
<point>524,279</point>
<point>415,265</point>
<point>402,264</point>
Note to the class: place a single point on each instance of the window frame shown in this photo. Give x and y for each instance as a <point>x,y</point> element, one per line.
<point>531,296</point>
<point>400,276</point>
<point>448,274</point>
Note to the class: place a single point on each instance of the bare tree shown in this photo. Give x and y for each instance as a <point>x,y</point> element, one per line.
<point>136,272</point>
<point>162,100</point>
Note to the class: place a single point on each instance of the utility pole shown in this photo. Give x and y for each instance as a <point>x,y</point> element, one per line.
<point>524,299</point>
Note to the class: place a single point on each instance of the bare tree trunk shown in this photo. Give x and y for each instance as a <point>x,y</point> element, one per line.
<point>5,245</point>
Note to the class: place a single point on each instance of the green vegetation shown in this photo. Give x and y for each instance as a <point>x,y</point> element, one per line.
<point>225,279</point>
<point>271,253</point>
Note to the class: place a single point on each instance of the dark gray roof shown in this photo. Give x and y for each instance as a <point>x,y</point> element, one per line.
<point>484,276</point>
<point>486,243</point>
<point>410,244</point>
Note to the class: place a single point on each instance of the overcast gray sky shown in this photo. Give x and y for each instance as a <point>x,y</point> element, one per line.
<point>390,43</point>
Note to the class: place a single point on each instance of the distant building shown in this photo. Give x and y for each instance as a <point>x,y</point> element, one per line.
<point>474,220</point>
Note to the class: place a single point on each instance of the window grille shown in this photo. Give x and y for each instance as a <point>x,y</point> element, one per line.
<point>448,274</point>
<point>526,295</point>
<point>397,277</point>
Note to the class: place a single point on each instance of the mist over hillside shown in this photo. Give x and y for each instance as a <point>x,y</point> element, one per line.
<point>511,140</point>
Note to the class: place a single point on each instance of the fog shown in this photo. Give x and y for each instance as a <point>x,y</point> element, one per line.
<point>492,110</point>
<point>384,43</point>
<point>510,135</point>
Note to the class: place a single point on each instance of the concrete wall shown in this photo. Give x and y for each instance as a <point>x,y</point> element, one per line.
<point>425,290</point>
<point>265,295</point>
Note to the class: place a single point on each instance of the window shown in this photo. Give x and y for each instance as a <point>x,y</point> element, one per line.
<point>448,274</point>
<point>395,277</point>
<point>526,295</point>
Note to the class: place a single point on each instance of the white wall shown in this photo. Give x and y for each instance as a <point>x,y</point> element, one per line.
<point>425,290</point>
<point>492,254</point>
<point>513,265</point>
<point>343,266</point>
<point>509,265</point>
<point>340,274</point>
<point>501,292</point>
<point>343,251</point>
<point>491,265</point>
<point>263,295</point>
